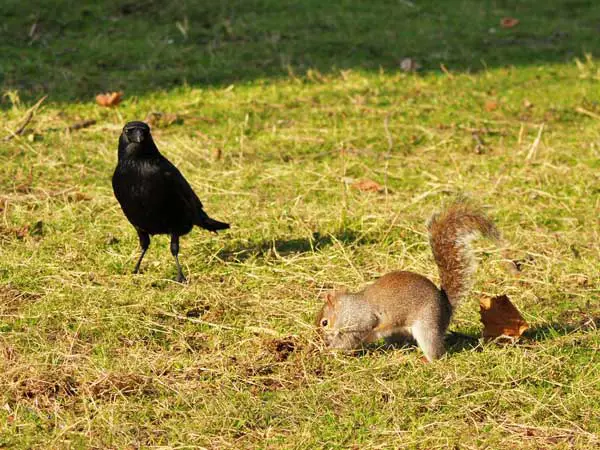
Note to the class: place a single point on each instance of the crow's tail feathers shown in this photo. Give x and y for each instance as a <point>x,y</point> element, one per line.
<point>211,224</point>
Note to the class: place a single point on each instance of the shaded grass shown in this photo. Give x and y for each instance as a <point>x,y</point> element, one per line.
<point>72,51</point>
<point>92,356</point>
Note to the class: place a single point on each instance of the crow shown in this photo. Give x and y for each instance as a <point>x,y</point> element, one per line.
<point>154,195</point>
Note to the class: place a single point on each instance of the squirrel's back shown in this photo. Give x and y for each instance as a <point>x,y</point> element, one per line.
<point>450,235</point>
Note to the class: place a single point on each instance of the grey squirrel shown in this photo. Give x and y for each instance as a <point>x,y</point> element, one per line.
<point>401,302</point>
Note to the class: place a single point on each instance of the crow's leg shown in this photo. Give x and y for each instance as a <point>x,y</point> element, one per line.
<point>175,252</point>
<point>144,243</point>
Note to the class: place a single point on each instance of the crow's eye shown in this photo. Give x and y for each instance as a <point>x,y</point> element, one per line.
<point>324,322</point>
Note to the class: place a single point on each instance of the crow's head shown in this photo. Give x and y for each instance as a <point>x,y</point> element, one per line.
<point>136,132</point>
<point>136,140</point>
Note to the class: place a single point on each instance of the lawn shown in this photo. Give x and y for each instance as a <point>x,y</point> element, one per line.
<point>272,109</point>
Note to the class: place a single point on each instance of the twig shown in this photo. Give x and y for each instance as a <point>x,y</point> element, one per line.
<point>386,122</point>
<point>585,112</point>
<point>521,131</point>
<point>176,315</point>
<point>81,124</point>
<point>26,120</point>
<point>446,71</point>
<point>535,144</point>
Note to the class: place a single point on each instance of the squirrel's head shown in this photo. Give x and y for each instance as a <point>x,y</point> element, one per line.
<point>328,321</point>
<point>326,317</point>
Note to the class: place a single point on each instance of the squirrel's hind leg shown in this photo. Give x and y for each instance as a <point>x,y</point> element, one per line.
<point>430,339</point>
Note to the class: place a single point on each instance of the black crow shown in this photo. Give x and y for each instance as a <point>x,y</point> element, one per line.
<point>153,194</point>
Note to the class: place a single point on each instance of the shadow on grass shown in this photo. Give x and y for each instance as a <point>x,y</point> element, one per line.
<point>458,342</point>
<point>73,50</point>
<point>285,247</point>
<point>557,329</point>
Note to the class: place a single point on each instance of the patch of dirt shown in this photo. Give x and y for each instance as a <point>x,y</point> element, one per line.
<point>42,387</point>
<point>13,299</point>
<point>282,348</point>
<point>112,385</point>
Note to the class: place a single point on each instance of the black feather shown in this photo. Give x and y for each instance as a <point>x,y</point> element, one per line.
<point>153,194</point>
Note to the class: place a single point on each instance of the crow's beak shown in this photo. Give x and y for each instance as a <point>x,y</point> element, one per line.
<point>136,135</point>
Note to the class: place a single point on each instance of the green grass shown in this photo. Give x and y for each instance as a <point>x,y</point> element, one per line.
<point>279,103</point>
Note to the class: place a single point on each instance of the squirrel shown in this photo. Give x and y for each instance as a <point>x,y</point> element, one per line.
<point>402,302</point>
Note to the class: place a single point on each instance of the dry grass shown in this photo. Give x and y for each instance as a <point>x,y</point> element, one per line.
<point>94,357</point>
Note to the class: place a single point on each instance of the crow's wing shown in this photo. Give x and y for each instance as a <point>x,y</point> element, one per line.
<point>183,193</point>
<point>180,189</point>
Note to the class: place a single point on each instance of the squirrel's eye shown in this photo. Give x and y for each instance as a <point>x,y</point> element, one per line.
<point>324,322</point>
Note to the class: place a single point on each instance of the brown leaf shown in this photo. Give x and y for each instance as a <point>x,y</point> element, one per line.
<point>491,105</point>
<point>217,154</point>
<point>162,120</point>
<point>501,318</point>
<point>509,22</point>
<point>109,98</point>
<point>21,232</point>
<point>368,186</point>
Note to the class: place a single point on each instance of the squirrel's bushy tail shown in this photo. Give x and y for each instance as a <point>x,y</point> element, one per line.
<point>450,235</point>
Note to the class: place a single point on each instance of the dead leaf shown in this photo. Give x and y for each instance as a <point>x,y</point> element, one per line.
<point>36,229</point>
<point>409,65</point>
<point>479,143</point>
<point>491,105</point>
<point>582,280</point>
<point>501,318</point>
<point>367,185</point>
<point>509,22</point>
<point>217,154</point>
<point>109,98</point>
<point>77,197</point>
<point>21,232</point>
<point>162,120</point>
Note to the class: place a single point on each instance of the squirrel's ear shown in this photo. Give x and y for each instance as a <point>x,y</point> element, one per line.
<point>329,297</point>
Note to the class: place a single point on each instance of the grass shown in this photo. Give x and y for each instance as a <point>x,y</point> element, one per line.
<point>277,111</point>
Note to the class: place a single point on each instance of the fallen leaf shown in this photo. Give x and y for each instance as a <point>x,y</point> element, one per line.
<point>509,22</point>
<point>479,143</point>
<point>491,105</point>
<point>582,280</point>
<point>21,232</point>
<point>501,318</point>
<point>77,197</point>
<point>109,98</point>
<point>217,154</point>
<point>162,120</point>
<point>409,65</point>
<point>367,186</point>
